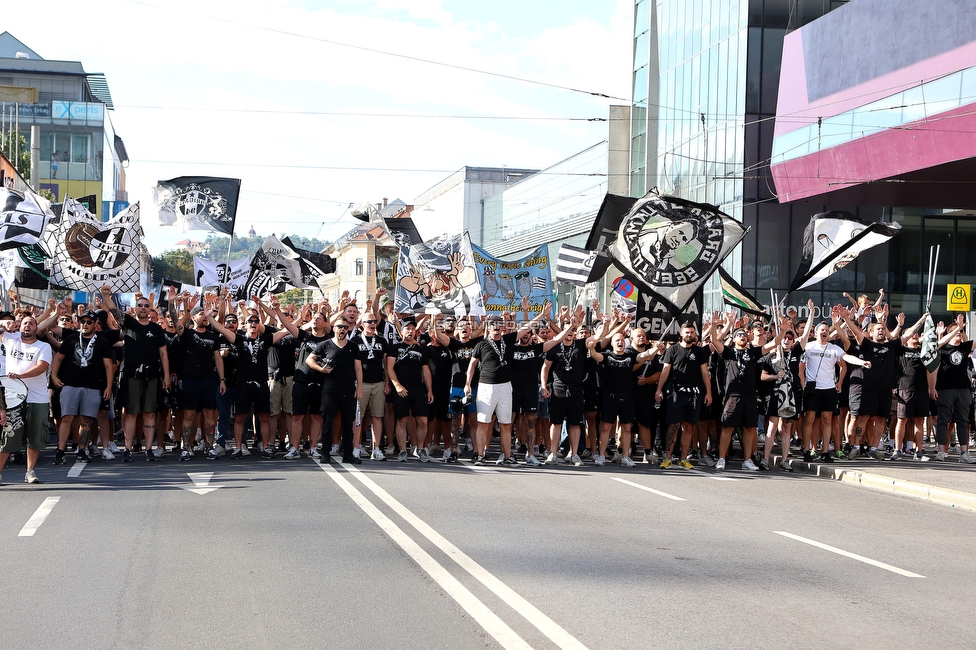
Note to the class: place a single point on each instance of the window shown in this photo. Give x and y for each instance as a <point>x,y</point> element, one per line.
<point>359,266</point>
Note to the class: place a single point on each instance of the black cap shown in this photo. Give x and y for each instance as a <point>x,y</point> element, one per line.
<point>90,314</point>
<point>6,315</point>
<point>101,315</point>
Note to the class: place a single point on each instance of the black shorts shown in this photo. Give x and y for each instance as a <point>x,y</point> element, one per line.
<point>567,408</point>
<point>912,403</point>
<point>871,403</point>
<point>198,393</point>
<point>612,409</point>
<point>415,403</point>
<point>441,408</point>
<point>683,406</point>
<point>525,400</point>
<point>591,397</point>
<point>822,400</point>
<point>644,412</point>
<point>306,399</point>
<point>256,394</point>
<point>740,411</point>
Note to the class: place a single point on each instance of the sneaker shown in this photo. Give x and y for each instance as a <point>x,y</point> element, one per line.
<point>423,455</point>
<point>402,458</point>
<point>334,451</point>
<point>853,453</point>
<point>764,464</point>
<point>185,455</point>
<point>389,451</point>
<point>31,477</point>
<point>447,455</point>
<point>150,456</point>
<point>82,456</point>
<point>114,448</point>
<point>586,454</point>
<point>468,446</point>
<point>707,461</point>
<point>826,458</point>
<point>378,454</point>
<point>598,460</point>
<point>955,449</point>
<point>876,454</point>
<point>59,457</point>
<point>941,455</point>
<point>453,458</point>
<point>511,462</point>
<point>357,453</point>
<point>616,457</point>
<point>268,452</point>
<point>292,454</point>
<point>244,450</point>
<point>220,449</point>
<point>212,455</point>
<point>720,463</point>
<point>684,462</point>
<point>315,453</point>
<point>237,454</point>
<point>895,455</point>
<point>435,449</point>
<point>919,456</point>
<point>478,460</point>
<point>552,459</point>
<point>749,465</point>
<point>532,461</point>
<point>126,456</point>
<point>965,458</point>
<point>651,458</point>
<point>576,460</point>
<point>808,457</point>
<point>666,463</point>
<point>201,447</point>
<point>107,455</point>
<point>785,466</point>
<point>159,451</point>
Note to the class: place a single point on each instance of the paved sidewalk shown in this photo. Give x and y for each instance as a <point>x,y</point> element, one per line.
<point>948,483</point>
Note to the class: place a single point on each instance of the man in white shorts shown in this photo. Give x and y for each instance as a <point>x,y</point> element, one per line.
<point>493,355</point>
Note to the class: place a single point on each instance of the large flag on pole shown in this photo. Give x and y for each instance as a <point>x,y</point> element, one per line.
<point>275,267</point>
<point>232,274</point>
<point>735,296</point>
<point>320,262</point>
<point>575,265</point>
<point>670,246</point>
<point>438,277</point>
<point>23,217</point>
<point>505,282</point>
<point>834,239</point>
<point>87,253</point>
<point>198,203</point>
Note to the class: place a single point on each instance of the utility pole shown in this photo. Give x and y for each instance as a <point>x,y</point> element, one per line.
<point>35,167</point>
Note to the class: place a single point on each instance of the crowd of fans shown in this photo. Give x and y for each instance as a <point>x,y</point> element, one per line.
<point>207,376</point>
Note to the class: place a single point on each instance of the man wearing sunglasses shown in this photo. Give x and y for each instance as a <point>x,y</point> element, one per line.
<point>337,360</point>
<point>372,406</point>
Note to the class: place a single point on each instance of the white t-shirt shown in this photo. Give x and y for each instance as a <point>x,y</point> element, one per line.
<point>820,361</point>
<point>21,357</point>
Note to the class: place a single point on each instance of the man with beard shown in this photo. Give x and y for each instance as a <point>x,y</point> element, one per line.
<point>409,375</point>
<point>685,376</point>
<point>527,359</point>
<point>952,390</point>
<point>913,398</point>
<point>307,390</point>
<point>372,405</point>
<point>337,359</point>
<point>565,363</point>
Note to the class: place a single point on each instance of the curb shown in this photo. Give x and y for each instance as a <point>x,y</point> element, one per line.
<point>940,496</point>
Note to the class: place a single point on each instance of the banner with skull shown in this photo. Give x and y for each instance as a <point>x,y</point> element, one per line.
<point>438,277</point>
<point>198,203</point>
<point>504,283</point>
<point>274,268</point>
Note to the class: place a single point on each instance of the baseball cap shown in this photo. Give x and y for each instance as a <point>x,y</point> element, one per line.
<point>90,314</point>
<point>6,315</point>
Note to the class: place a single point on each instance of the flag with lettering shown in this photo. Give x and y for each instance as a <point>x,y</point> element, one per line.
<point>505,282</point>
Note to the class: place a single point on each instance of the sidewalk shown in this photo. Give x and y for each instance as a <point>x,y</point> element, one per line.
<point>948,483</point>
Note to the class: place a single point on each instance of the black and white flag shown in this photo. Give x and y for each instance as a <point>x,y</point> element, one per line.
<point>198,203</point>
<point>275,267</point>
<point>232,274</point>
<point>735,296</point>
<point>670,246</point>
<point>834,239</point>
<point>23,219</point>
<point>320,263</point>
<point>87,253</point>
<point>574,265</point>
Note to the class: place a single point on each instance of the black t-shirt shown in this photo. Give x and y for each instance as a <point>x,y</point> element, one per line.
<point>306,344</point>
<point>441,361</point>
<point>174,350</point>
<point>409,362</point>
<point>142,343</point>
<point>83,365</point>
<point>526,366</point>
<point>281,357</point>
<point>342,379</point>
<point>686,365</point>
<point>252,357</point>
<point>740,369</point>
<point>790,362</point>
<point>911,370</point>
<point>371,354</point>
<point>198,353</point>
<point>495,359</point>
<point>568,365</point>
<point>463,352</point>
<point>645,393</point>
<point>883,373</point>
<point>230,359</point>
<point>618,371</point>
<point>954,369</point>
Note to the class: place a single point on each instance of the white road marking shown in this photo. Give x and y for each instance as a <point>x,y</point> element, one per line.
<point>201,483</point>
<point>647,489</point>
<point>479,468</point>
<point>546,625</point>
<point>853,556</point>
<point>495,626</point>
<point>38,517</point>
<point>76,469</point>
<point>711,476</point>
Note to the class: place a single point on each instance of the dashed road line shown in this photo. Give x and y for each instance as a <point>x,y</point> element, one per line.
<point>647,489</point>
<point>711,476</point>
<point>38,517</point>
<point>77,469</point>
<point>853,556</point>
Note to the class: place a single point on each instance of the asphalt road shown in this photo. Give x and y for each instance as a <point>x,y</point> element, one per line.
<point>390,555</point>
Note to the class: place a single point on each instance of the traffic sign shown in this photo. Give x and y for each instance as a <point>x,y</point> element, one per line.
<point>958,297</point>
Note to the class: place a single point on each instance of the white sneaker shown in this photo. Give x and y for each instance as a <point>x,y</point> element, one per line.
<point>200,447</point>
<point>599,460</point>
<point>447,455</point>
<point>627,461</point>
<point>616,457</point>
<point>389,451</point>
<point>896,455</point>
<point>532,461</point>
<point>468,446</point>
<point>651,458</point>
<point>749,465</point>
<point>220,449</point>
<point>114,448</point>
<point>356,452</point>
<point>378,454</point>
<point>244,450</point>
<point>941,455</point>
<point>964,458</point>
<point>314,453</point>
<point>107,455</point>
<point>707,461</point>
<point>334,451</point>
<point>159,451</point>
<point>576,460</point>
<point>293,453</point>
<point>720,463</point>
<point>551,459</point>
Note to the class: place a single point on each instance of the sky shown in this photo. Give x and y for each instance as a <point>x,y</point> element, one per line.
<point>272,93</point>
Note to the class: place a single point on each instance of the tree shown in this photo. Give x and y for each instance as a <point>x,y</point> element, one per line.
<point>175,264</point>
<point>14,139</point>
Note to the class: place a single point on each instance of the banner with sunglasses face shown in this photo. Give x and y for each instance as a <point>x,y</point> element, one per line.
<point>505,282</point>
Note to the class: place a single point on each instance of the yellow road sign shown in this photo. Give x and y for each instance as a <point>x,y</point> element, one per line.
<point>958,297</point>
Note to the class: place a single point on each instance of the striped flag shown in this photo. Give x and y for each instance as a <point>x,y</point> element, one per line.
<point>574,265</point>
<point>930,345</point>
<point>734,295</point>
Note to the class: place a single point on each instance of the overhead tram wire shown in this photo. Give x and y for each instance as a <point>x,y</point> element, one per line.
<point>361,114</point>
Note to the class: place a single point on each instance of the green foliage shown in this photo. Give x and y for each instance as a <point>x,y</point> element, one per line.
<point>246,246</point>
<point>175,265</point>
<point>8,142</point>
